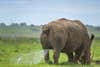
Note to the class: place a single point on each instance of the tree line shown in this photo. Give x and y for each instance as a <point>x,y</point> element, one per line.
<point>17,24</point>
<point>2,24</point>
<point>94,27</point>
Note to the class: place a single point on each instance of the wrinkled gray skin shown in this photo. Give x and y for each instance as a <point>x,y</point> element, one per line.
<point>66,36</point>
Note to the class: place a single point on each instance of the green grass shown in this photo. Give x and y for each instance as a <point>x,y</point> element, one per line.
<point>96,49</point>
<point>11,51</point>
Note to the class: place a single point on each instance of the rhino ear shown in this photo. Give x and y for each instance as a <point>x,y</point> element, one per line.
<point>45,28</point>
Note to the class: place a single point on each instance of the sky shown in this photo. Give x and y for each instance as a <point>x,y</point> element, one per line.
<point>43,11</point>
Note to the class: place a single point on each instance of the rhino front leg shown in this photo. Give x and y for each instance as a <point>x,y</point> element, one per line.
<point>56,56</point>
<point>46,56</point>
<point>70,56</point>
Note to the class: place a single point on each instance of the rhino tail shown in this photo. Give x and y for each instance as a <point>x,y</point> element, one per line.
<point>91,38</point>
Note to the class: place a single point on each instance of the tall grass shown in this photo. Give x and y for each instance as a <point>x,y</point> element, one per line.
<point>28,48</point>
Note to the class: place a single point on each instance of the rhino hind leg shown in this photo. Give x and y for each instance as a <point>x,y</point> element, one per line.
<point>86,58</point>
<point>76,57</point>
<point>78,54</point>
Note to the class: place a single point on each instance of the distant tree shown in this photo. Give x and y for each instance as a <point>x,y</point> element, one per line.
<point>98,28</point>
<point>32,25</point>
<point>23,24</point>
<point>14,24</point>
<point>89,25</point>
<point>2,24</point>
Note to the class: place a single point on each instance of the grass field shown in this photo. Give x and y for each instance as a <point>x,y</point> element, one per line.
<point>28,53</point>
